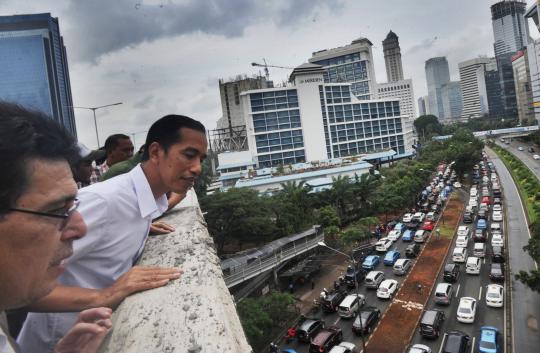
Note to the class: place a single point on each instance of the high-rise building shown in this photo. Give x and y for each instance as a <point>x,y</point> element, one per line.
<point>522,81</point>
<point>452,100</point>
<point>473,86</point>
<point>437,75</point>
<point>34,68</point>
<point>392,57</point>
<point>533,55</point>
<point>402,90</point>
<point>510,35</point>
<point>422,105</point>
<point>351,63</point>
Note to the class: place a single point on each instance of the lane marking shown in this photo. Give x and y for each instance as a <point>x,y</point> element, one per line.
<point>442,342</point>
<point>338,319</point>
<point>457,291</point>
<point>480,294</point>
<point>473,345</point>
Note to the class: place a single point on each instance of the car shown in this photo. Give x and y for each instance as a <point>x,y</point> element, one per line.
<point>383,245</point>
<point>468,217</point>
<point>497,206</point>
<point>457,184</point>
<point>353,276</point>
<point>463,230</point>
<point>497,254</point>
<point>495,227</point>
<point>431,216</point>
<point>481,224</point>
<point>370,262</point>
<point>420,236</point>
<point>350,305</point>
<point>486,200</point>
<point>431,323</point>
<point>473,203</point>
<point>485,191</point>
<point>370,317</point>
<point>374,279</point>
<point>387,289</point>
<point>309,329</point>
<point>535,156</point>
<point>443,293</point>
<point>489,340</point>
<point>473,192</point>
<point>402,266</point>
<point>520,148</point>
<point>496,274</point>
<point>496,216</point>
<point>326,339</point>
<point>530,150</point>
<point>344,347</point>
<point>462,241</point>
<point>495,295</point>
<point>407,235</point>
<point>451,272</point>
<point>482,213</point>
<point>419,348</point>
<point>394,234</point>
<point>456,342</point>
<point>428,225</point>
<point>497,201</point>
<point>413,250</point>
<point>497,239</point>
<point>480,235</point>
<point>418,217</point>
<point>459,255</point>
<point>391,257</point>
<point>407,217</point>
<point>466,311</point>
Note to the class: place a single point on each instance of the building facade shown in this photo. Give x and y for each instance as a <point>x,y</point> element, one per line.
<point>452,100</point>
<point>422,106</point>
<point>533,56</point>
<point>473,86</point>
<point>34,67</point>
<point>402,90</point>
<point>437,75</point>
<point>315,120</point>
<point>522,81</point>
<point>351,63</point>
<point>392,57</point>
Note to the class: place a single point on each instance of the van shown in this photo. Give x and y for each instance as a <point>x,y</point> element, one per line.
<point>473,265</point>
<point>374,279</point>
<point>443,293</point>
<point>479,249</point>
<point>459,255</point>
<point>431,323</point>
<point>402,266</point>
<point>350,306</point>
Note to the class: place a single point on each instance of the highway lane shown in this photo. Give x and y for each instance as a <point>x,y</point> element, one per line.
<point>525,302</point>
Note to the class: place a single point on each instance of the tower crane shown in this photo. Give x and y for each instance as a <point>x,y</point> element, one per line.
<point>266,66</point>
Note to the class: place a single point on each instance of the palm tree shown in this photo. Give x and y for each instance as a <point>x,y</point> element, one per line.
<point>364,189</point>
<point>340,194</point>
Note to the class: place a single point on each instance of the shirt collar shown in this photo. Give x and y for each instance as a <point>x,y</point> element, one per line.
<point>148,205</point>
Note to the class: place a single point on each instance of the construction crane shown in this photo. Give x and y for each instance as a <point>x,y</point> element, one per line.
<point>266,66</point>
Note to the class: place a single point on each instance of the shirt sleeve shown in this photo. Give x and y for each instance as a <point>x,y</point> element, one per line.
<point>93,209</point>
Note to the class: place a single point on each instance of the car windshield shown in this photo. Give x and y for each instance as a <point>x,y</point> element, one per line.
<point>493,295</point>
<point>384,290</point>
<point>487,345</point>
<point>465,310</point>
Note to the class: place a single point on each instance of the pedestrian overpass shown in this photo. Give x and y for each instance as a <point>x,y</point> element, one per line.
<point>510,132</point>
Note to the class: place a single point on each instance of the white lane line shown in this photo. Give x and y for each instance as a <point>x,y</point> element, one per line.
<point>457,291</point>
<point>335,323</point>
<point>480,294</point>
<point>473,345</point>
<point>442,343</point>
<point>504,324</point>
<point>484,261</point>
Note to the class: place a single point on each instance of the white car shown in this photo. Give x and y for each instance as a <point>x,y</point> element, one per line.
<point>387,289</point>
<point>474,192</point>
<point>497,216</point>
<point>383,245</point>
<point>457,184</point>
<point>418,217</point>
<point>462,241</point>
<point>497,239</point>
<point>463,230</point>
<point>430,216</point>
<point>497,207</point>
<point>495,227</point>
<point>466,310</point>
<point>535,156</point>
<point>343,347</point>
<point>473,203</point>
<point>394,234</point>
<point>407,217</point>
<point>419,348</point>
<point>495,295</point>
<point>520,148</point>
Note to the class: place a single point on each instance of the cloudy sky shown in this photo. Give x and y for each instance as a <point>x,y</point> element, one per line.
<point>166,56</point>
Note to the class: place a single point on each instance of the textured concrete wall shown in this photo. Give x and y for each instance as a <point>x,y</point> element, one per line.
<point>194,314</point>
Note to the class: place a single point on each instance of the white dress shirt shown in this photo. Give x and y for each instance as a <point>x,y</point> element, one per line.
<point>118,213</point>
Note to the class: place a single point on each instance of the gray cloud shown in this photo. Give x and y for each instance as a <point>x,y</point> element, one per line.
<point>100,27</point>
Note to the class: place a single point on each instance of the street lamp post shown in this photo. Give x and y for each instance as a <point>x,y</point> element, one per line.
<point>322,243</point>
<point>93,109</point>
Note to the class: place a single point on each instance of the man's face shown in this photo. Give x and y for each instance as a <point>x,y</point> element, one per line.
<point>83,171</point>
<point>122,152</point>
<point>181,165</point>
<point>32,248</point>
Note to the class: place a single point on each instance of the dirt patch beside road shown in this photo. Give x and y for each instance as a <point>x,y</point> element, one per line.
<point>397,326</point>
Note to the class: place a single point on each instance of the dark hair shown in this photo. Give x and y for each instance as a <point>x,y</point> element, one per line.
<point>166,131</point>
<point>113,141</point>
<point>27,135</point>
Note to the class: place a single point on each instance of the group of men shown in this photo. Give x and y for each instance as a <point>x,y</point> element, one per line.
<point>68,254</point>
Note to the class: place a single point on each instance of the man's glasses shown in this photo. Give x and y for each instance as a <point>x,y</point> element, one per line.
<point>64,216</point>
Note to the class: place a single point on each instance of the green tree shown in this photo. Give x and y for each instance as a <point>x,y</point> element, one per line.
<point>328,217</point>
<point>363,190</point>
<point>427,126</point>
<point>340,195</point>
<point>294,207</point>
<point>204,179</point>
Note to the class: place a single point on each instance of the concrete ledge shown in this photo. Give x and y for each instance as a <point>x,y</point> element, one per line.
<point>194,314</point>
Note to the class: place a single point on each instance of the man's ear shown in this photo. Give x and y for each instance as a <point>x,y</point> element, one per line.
<point>153,152</point>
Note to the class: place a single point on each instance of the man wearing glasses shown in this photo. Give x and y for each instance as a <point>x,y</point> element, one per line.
<point>39,221</point>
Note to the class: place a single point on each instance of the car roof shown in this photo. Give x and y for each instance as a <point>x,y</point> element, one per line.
<point>307,324</point>
<point>442,286</point>
<point>466,301</point>
<point>488,334</point>
<point>322,336</point>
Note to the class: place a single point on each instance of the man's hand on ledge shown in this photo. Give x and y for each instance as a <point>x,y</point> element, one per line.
<point>160,228</point>
<point>174,199</point>
<point>88,332</point>
<point>137,279</point>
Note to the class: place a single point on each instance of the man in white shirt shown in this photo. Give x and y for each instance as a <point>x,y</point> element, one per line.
<point>39,221</point>
<point>118,212</point>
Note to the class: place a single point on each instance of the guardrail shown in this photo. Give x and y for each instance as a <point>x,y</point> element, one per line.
<point>262,265</point>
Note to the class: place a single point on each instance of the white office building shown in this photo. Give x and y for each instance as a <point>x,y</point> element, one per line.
<point>533,54</point>
<point>402,90</point>
<point>473,86</point>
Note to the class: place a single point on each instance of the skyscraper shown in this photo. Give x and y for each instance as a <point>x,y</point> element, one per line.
<point>422,105</point>
<point>473,86</point>
<point>34,68</point>
<point>437,74</point>
<point>392,57</point>
<point>520,65</point>
<point>452,100</point>
<point>533,53</point>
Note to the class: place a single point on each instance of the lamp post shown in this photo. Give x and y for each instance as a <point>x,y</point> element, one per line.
<point>93,109</point>
<point>322,243</point>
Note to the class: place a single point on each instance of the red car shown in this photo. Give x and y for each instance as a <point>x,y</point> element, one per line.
<point>486,200</point>
<point>428,225</point>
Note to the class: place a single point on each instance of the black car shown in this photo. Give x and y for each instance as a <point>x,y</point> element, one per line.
<point>332,300</point>
<point>498,254</point>
<point>431,323</point>
<point>456,342</point>
<point>351,274</point>
<point>530,149</point>
<point>325,340</point>
<point>497,201</point>
<point>480,236</point>
<point>497,272</point>
<point>435,208</point>
<point>468,217</point>
<point>413,250</point>
<point>451,272</point>
<point>370,317</point>
<point>309,329</point>
<point>412,225</point>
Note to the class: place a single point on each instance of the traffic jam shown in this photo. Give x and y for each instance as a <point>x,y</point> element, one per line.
<point>465,312</point>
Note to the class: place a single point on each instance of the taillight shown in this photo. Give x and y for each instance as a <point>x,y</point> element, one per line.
<point>321,349</point>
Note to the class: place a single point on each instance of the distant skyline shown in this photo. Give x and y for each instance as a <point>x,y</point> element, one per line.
<point>166,56</point>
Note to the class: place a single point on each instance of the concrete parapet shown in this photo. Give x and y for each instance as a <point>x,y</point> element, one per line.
<point>194,314</point>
